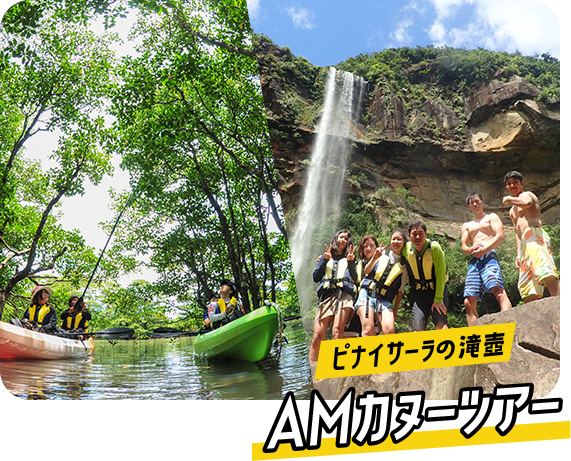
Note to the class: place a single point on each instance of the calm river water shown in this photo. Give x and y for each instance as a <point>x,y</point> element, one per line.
<point>163,369</point>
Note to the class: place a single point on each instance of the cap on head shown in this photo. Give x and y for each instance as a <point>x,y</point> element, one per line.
<point>230,284</point>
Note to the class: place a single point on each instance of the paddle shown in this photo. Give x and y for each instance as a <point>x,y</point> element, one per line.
<point>117,333</point>
<point>132,196</point>
<point>281,326</point>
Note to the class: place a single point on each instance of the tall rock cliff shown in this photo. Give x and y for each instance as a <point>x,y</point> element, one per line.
<point>424,129</point>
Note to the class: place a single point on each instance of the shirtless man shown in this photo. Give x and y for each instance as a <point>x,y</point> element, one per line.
<point>485,233</point>
<point>534,260</point>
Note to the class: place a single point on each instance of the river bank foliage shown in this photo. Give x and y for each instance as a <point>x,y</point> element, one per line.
<point>183,114</point>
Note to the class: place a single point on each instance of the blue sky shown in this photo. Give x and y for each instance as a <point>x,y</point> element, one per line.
<point>327,32</point>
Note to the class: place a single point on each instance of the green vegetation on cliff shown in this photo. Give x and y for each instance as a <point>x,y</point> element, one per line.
<point>300,84</point>
<point>405,68</point>
<point>427,83</point>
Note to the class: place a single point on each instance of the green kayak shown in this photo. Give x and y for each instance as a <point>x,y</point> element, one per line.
<point>248,338</point>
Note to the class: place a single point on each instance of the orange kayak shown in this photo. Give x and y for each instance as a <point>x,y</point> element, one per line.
<point>19,343</point>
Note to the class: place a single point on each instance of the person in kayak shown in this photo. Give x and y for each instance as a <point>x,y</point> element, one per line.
<point>41,316</point>
<point>227,308</point>
<point>335,273</point>
<point>206,324</point>
<point>75,318</point>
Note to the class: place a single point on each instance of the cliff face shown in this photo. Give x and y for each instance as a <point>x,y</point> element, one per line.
<point>437,150</point>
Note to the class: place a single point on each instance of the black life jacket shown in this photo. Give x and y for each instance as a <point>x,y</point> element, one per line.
<point>73,322</point>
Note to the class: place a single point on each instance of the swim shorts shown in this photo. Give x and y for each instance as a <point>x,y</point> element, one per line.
<point>332,305</point>
<point>483,275</point>
<point>536,263</point>
<point>353,328</point>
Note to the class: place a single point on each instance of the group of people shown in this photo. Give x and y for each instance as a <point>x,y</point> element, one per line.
<point>42,317</point>
<point>371,289</point>
<point>223,307</point>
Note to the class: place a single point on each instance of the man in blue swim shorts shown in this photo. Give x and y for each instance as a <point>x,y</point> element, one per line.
<point>480,238</point>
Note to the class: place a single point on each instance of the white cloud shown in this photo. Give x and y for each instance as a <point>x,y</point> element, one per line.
<point>411,10</point>
<point>253,9</point>
<point>437,33</point>
<point>414,7</point>
<point>400,34</point>
<point>301,17</point>
<point>446,8</point>
<point>525,25</point>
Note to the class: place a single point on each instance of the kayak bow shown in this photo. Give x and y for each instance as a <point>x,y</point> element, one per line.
<point>19,343</point>
<point>248,338</point>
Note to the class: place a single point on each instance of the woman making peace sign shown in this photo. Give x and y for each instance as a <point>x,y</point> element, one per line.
<point>335,273</point>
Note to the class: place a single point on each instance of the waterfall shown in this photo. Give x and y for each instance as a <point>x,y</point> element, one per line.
<point>321,204</point>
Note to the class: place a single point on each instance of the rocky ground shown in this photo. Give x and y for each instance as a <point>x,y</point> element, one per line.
<point>535,358</point>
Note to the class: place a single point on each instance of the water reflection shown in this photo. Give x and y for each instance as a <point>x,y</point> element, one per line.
<point>162,369</point>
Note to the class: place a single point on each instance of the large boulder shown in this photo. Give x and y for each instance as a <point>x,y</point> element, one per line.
<point>534,359</point>
<point>495,94</point>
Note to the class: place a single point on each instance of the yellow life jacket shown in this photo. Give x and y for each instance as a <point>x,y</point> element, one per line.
<point>421,268</point>
<point>386,280</point>
<point>335,273</point>
<point>73,322</point>
<point>222,304</point>
<point>37,314</point>
<point>388,277</point>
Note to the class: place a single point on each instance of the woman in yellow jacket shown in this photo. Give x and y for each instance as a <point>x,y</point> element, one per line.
<point>40,315</point>
<point>335,273</point>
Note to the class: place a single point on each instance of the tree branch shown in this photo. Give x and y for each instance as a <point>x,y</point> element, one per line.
<point>233,49</point>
